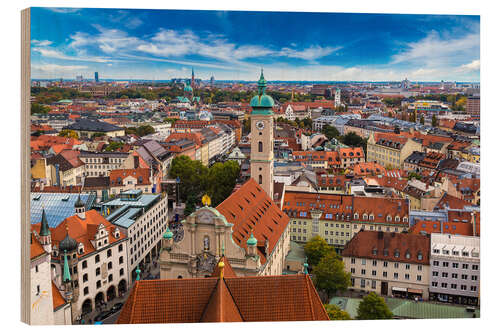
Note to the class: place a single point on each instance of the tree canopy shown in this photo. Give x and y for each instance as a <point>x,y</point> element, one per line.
<point>329,274</point>
<point>37,108</point>
<point>330,132</point>
<point>112,146</point>
<point>315,249</point>
<point>68,134</point>
<point>141,130</point>
<point>373,307</point>
<point>218,181</point>
<point>335,313</point>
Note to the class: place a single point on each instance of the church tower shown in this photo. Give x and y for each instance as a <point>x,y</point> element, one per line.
<point>262,139</point>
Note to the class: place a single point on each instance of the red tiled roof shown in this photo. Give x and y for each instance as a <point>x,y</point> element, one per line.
<point>368,168</point>
<point>452,202</point>
<point>124,173</point>
<point>456,225</point>
<point>251,209</point>
<point>256,298</point>
<point>371,245</point>
<point>57,299</point>
<point>83,231</point>
<point>36,248</point>
<point>353,152</point>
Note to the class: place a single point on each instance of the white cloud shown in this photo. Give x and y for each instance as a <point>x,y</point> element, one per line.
<point>64,10</point>
<point>475,65</point>
<point>51,53</point>
<point>56,68</point>
<point>433,50</point>
<point>311,53</point>
<point>41,42</point>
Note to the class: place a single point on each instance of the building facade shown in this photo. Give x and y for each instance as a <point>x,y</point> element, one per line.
<point>455,269</point>
<point>389,264</point>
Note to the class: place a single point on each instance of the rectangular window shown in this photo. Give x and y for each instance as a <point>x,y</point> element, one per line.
<point>419,277</point>
<point>465,266</point>
<point>396,276</point>
<point>454,265</point>
<point>384,274</point>
<point>407,266</point>
<point>407,276</point>
<point>444,285</point>
<point>363,261</point>
<point>396,265</point>
<point>434,284</point>
<point>453,286</point>
<point>385,263</point>
<point>362,283</point>
<point>374,273</point>
<point>363,272</point>
<point>374,284</point>
<point>353,260</point>
<point>353,271</point>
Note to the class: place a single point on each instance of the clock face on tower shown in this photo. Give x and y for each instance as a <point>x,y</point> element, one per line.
<point>260,125</point>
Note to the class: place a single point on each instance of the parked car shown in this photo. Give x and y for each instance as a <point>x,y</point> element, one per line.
<point>103,315</point>
<point>117,307</point>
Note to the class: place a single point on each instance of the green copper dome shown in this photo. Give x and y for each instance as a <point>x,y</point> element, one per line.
<point>262,103</point>
<point>188,88</point>
<point>168,234</point>
<point>66,274</point>
<point>252,240</point>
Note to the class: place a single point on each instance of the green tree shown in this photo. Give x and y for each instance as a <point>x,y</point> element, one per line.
<point>373,307</point>
<point>315,249</point>
<point>434,121</point>
<point>68,134</point>
<point>145,130</point>
<point>98,134</point>
<point>192,174</point>
<point>221,180</point>
<point>352,139</point>
<point>37,108</point>
<point>330,132</point>
<point>112,146</point>
<point>335,313</point>
<point>329,274</point>
<point>190,204</point>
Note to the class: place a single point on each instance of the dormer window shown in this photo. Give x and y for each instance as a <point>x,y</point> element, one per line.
<point>371,217</point>
<point>386,252</point>
<point>405,219</point>
<point>396,253</point>
<point>365,216</point>
<point>408,255</point>
<point>117,233</point>
<point>396,219</point>
<point>419,255</point>
<point>80,248</point>
<point>356,216</point>
<point>374,251</point>
<point>389,218</point>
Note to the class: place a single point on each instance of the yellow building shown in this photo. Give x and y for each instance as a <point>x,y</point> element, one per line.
<point>389,149</point>
<point>337,218</point>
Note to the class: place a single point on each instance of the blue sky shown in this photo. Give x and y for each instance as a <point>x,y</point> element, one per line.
<point>161,44</point>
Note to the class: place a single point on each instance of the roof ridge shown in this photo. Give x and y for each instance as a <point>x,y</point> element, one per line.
<point>134,295</point>
<point>309,297</point>
<point>309,281</point>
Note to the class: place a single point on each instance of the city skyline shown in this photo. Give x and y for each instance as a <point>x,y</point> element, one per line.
<point>163,44</point>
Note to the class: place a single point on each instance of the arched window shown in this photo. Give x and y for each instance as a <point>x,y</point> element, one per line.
<point>260,147</point>
<point>396,253</point>
<point>260,179</point>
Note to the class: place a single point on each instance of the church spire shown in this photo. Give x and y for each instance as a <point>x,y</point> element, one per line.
<point>44,228</point>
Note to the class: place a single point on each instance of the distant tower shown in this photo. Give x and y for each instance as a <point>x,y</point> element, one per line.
<point>80,208</point>
<point>262,143</point>
<point>96,76</point>
<point>192,77</point>
<point>212,79</point>
<point>337,97</point>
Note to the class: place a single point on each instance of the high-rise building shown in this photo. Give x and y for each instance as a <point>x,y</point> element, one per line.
<point>192,78</point>
<point>337,98</point>
<point>473,105</point>
<point>262,155</point>
<point>212,79</point>
<point>96,76</point>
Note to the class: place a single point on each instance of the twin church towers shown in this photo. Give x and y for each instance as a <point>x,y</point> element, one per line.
<point>262,139</point>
